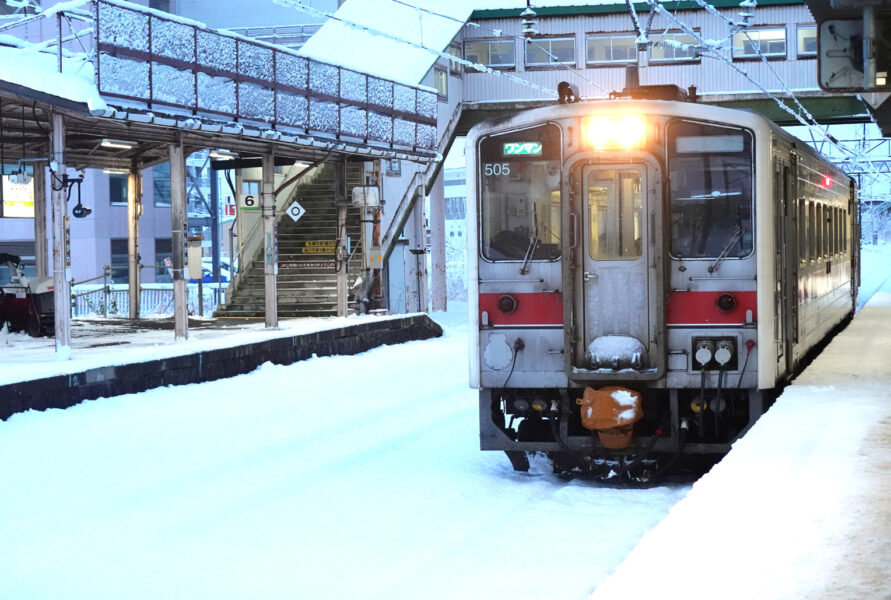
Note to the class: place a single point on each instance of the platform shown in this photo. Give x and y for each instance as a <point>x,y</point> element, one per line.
<point>117,356</point>
<point>801,507</point>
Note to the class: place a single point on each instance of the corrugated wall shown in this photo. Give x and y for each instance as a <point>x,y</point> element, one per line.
<point>709,75</point>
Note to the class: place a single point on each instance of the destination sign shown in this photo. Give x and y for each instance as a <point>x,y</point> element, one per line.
<point>517,148</point>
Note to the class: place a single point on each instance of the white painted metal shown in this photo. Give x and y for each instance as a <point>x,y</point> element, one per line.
<point>438,243</point>
<point>61,288</point>
<point>270,260</point>
<point>177,240</point>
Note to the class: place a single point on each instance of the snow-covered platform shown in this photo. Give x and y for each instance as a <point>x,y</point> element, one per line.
<point>801,507</point>
<point>109,357</point>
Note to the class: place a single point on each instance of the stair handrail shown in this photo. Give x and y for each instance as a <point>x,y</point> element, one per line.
<point>403,209</point>
<point>243,266</point>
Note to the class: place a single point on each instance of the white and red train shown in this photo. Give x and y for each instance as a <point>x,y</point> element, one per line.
<point>644,275</point>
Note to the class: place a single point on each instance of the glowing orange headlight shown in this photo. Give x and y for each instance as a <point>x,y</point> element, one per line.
<point>614,132</point>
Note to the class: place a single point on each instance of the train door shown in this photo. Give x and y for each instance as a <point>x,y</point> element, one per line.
<point>786,263</point>
<point>615,265</point>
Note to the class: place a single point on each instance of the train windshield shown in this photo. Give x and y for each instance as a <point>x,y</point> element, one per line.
<point>519,182</point>
<point>710,203</point>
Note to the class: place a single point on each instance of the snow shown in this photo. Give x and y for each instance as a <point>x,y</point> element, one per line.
<point>360,476</point>
<point>301,482</point>
<point>39,71</point>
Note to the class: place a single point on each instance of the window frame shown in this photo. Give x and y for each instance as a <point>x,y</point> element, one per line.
<point>116,177</point>
<point>610,35</point>
<point>549,39</point>
<point>456,69</point>
<point>442,95</point>
<point>673,61</point>
<point>799,53</point>
<point>487,62</point>
<point>757,55</point>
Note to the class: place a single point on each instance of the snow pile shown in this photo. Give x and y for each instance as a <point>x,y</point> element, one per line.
<point>800,507</point>
<point>346,477</point>
<point>39,71</point>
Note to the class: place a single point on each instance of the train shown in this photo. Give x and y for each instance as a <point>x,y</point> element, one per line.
<point>645,273</point>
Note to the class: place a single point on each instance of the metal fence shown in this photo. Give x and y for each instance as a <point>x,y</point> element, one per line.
<point>150,58</point>
<point>154,299</point>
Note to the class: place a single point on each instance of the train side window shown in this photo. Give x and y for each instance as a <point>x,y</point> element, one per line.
<point>844,233</point>
<point>802,230</point>
<point>710,200</point>
<point>814,244</point>
<point>827,232</point>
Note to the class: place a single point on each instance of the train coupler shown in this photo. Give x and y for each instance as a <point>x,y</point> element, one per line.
<point>611,412</point>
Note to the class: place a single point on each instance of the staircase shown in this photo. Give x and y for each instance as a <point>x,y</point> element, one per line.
<point>307,276</point>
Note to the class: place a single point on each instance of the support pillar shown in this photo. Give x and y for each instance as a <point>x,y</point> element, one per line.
<point>134,211</point>
<point>270,261</point>
<point>439,290</point>
<point>419,249</point>
<point>40,249</point>
<point>177,240</point>
<point>61,258</point>
<point>341,250</point>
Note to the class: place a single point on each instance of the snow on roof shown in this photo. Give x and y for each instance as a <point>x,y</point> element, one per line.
<point>28,67</point>
<point>382,51</point>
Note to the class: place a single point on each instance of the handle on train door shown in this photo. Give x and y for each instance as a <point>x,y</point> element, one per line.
<point>573,231</point>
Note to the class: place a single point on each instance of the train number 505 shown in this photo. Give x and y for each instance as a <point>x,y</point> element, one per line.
<point>496,169</point>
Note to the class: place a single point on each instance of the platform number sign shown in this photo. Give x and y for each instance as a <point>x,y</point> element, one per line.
<point>249,201</point>
<point>295,211</point>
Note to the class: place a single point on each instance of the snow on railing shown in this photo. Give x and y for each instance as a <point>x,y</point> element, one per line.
<point>154,299</point>
<point>158,59</point>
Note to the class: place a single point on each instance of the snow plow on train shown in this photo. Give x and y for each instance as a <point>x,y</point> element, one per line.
<point>26,303</point>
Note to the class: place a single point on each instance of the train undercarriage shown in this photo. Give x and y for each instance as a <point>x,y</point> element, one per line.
<point>676,432</point>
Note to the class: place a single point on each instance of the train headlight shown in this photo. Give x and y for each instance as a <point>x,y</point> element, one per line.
<point>614,132</point>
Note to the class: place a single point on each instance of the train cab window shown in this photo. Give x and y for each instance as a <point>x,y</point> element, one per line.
<point>520,204</point>
<point>710,198</point>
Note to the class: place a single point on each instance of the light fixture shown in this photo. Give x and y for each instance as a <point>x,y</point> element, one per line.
<point>116,171</point>
<point>221,154</point>
<point>120,144</point>
<point>614,132</point>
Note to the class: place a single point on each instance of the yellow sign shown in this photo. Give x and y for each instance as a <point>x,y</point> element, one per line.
<point>18,199</point>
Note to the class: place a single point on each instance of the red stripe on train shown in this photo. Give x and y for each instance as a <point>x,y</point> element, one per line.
<point>701,308</point>
<point>532,309</point>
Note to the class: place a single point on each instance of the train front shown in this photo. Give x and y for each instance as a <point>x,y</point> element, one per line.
<point>615,286</point>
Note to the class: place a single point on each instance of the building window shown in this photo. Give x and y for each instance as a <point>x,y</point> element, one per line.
<point>455,208</point>
<point>456,69</point>
<point>161,184</point>
<point>117,189</point>
<point>495,53</point>
<point>550,51</point>
<point>120,269</point>
<point>770,43</point>
<point>611,49</point>
<point>674,47</point>
<point>163,5</point>
<point>807,41</point>
<point>163,254</point>
<point>394,167</point>
<point>441,83</point>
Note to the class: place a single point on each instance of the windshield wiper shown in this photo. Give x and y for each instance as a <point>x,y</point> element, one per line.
<point>735,236</point>
<point>533,243</point>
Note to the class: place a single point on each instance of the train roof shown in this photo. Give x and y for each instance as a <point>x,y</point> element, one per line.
<point>704,112</point>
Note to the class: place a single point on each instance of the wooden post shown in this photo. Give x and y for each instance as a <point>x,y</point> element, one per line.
<point>438,243</point>
<point>178,241</point>
<point>61,260</point>
<point>341,251</point>
<point>134,211</point>
<point>270,260</point>
<point>40,249</point>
